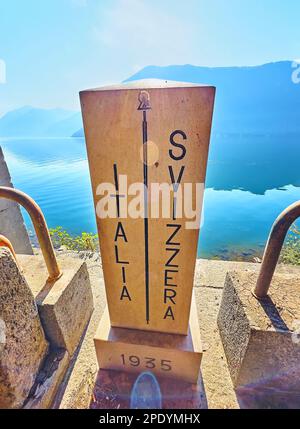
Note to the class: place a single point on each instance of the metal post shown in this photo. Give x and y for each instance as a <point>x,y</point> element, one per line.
<point>40,227</point>
<point>273,248</point>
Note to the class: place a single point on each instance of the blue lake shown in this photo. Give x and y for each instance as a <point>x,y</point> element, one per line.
<point>250,180</point>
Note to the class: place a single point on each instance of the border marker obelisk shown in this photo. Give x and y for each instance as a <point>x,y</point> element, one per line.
<point>143,137</point>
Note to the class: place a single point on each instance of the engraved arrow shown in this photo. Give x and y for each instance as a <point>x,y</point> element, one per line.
<point>144,100</point>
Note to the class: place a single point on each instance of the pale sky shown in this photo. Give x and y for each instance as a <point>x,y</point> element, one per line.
<point>54,48</point>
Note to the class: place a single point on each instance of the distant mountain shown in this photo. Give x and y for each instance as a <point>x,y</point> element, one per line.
<point>255,99</point>
<point>66,127</point>
<point>78,133</point>
<point>260,99</point>
<point>32,122</point>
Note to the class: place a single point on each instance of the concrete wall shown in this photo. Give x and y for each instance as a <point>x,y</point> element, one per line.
<point>11,220</point>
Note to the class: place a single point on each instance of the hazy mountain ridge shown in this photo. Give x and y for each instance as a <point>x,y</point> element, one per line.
<point>33,122</point>
<point>259,99</point>
<point>78,133</point>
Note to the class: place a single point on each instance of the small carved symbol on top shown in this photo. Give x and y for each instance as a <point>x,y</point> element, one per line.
<point>144,99</point>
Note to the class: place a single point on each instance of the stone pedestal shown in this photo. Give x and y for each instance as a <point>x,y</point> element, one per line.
<point>23,344</point>
<point>261,337</point>
<point>174,356</point>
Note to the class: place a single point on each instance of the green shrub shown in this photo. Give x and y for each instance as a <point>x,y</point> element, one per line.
<point>86,241</point>
<point>290,253</point>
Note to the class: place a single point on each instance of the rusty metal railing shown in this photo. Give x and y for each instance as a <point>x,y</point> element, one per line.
<point>273,248</point>
<point>40,227</point>
<point>4,241</point>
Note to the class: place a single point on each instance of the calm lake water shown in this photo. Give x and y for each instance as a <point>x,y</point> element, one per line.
<point>250,180</point>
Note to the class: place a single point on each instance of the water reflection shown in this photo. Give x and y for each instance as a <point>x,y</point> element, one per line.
<point>254,163</point>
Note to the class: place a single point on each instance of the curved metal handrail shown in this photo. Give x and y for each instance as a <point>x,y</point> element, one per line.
<point>40,227</point>
<point>4,242</point>
<point>273,248</point>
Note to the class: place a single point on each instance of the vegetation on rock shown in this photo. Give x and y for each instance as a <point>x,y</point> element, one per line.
<point>86,241</point>
<point>290,253</point>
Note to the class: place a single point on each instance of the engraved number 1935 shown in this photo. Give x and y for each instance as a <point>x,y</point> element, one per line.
<point>146,362</point>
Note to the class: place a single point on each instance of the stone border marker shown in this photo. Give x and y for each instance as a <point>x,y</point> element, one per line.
<point>258,335</point>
